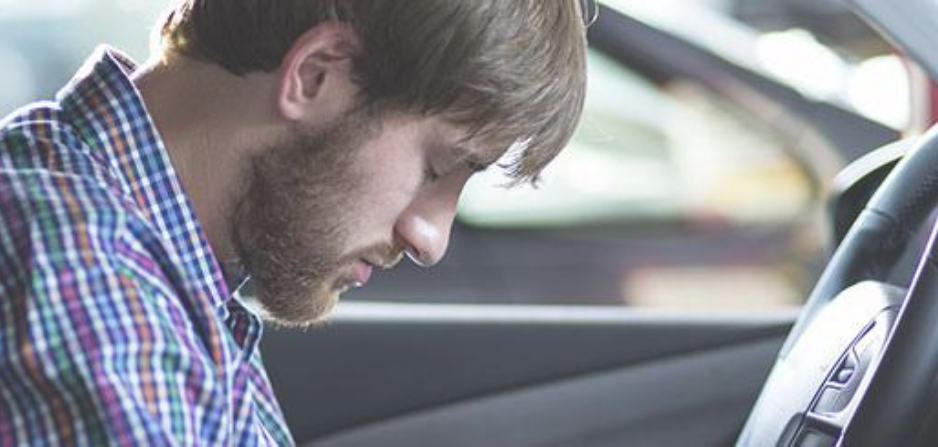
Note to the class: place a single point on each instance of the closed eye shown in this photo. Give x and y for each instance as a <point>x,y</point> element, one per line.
<point>476,167</point>
<point>430,175</point>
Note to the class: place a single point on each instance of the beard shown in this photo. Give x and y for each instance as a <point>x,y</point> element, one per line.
<point>293,227</point>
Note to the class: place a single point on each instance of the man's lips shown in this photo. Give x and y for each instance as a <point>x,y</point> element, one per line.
<point>361,270</point>
<point>364,266</point>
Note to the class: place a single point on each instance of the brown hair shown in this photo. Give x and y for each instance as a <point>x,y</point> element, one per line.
<point>513,71</point>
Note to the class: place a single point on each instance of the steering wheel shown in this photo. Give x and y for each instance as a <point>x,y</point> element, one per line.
<point>860,365</point>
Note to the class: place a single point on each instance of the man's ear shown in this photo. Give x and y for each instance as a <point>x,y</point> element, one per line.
<point>315,79</point>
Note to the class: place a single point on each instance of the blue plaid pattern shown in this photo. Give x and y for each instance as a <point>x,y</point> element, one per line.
<point>116,326</point>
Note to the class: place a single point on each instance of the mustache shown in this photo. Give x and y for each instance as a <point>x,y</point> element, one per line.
<point>383,256</point>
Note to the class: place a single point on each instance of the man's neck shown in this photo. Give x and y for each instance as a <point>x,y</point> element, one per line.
<point>210,122</point>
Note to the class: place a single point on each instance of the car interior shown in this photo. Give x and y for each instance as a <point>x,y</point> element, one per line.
<point>853,367</point>
<point>465,375</point>
<point>537,331</point>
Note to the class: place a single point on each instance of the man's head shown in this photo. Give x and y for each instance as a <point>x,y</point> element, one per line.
<point>388,108</point>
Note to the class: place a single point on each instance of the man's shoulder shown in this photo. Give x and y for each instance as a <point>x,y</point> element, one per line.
<point>58,205</point>
<point>58,202</point>
<point>65,235</point>
<point>40,137</point>
<point>49,177</point>
<point>66,196</point>
<point>53,220</point>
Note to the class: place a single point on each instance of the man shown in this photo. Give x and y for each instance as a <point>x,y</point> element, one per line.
<point>301,142</point>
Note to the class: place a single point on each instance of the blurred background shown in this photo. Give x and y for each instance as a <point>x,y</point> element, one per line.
<point>698,179</point>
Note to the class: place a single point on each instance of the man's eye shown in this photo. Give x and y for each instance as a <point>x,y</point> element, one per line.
<point>430,175</point>
<point>476,167</point>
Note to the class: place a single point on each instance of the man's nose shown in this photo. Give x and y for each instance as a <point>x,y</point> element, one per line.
<point>424,227</point>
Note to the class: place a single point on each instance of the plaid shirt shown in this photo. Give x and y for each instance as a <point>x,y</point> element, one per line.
<point>116,326</point>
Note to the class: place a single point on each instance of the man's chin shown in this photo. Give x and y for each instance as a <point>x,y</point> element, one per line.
<point>298,310</point>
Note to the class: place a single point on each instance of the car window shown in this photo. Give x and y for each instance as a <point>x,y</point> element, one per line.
<point>672,194</point>
<point>646,153</point>
<point>668,196</point>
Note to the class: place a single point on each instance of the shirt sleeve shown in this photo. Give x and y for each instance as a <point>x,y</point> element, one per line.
<point>95,349</point>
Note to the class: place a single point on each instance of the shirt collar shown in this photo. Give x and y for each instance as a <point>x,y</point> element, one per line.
<point>112,119</point>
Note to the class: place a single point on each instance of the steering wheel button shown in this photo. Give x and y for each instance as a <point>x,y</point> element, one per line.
<point>844,374</point>
<point>830,401</point>
<point>851,361</point>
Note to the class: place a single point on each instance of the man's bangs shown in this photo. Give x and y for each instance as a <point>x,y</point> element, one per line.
<point>532,129</point>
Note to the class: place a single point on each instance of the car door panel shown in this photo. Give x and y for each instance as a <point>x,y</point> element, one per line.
<point>404,374</point>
